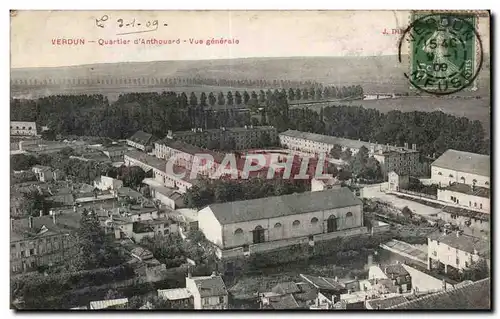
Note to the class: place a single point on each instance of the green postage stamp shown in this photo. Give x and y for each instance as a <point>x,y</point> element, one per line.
<point>445,51</point>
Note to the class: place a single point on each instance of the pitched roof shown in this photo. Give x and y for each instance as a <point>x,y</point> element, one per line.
<point>191,149</point>
<point>474,295</point>
<point>102,304</point>
<point>44,226</point>
<point>396,269</point>
<point>141,137</point>
<point>385,303</point>
<point>464,162</point>
<point>210,286</point>
<point>323,283</point>
<point>283,302</point>
<point>276,206</point>
<point>174,294</point>
<point>284,288</point>
<point>463,242</point>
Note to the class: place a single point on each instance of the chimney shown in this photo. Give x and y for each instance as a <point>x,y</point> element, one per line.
<point>54,218</point>
<point>30,222</point>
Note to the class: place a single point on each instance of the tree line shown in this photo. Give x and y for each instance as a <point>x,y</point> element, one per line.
<point>156,113</point>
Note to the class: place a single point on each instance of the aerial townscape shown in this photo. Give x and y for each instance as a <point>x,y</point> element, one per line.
<point>148,191</point>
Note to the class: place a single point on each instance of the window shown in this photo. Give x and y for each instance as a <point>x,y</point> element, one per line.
<point>166,232</point>
<point>480,206</point>
<point>458,261</point>
<point>296,223</point>
<point>277,225</point>
<point>205,301</point>
<point>475,204</point>
<point>314,220</point>
<point>221,299</point>
<point>32,251</point>
<point>23,254</point>
<point>469,203</point>
<point>451,176</point>
<point>439,173</point>
<point>349,214</point>
<point>238,231</point>
<point>486,183</point>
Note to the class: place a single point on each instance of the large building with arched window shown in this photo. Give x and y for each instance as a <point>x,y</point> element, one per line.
<point>271,223</point>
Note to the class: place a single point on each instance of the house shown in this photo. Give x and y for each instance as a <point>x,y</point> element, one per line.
<point>329,289</point>
<point>318,184</point>
<point>105,183</point>
<point>398,181</point>
<point>148,228</point>
<point>461,167</point>
<point>455,250</point>
<point>289,295</point>
<point>23,128</point>
<point>43,173</point>
<point>168,196</point>
<point>399,276</point>
<point>470,196</point>
<point>141,141</point>
<point>242,228</point>
<point>42,241</point>
<point>391,158</point>
<point>384,303</point>
<point>470,221</point>
<point>107,304</point>
<point>471,296</point>
<point>178,297</point>
<point>115,151</point>
<point>209,292</point>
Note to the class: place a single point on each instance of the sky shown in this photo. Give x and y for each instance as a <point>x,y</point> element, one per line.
<point>37,36</point>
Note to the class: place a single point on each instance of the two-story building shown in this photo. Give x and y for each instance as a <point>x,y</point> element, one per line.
<point>253,226</point>
<point>209,292</point>
<point>43,173</point>
<point>240,137</point>
<point>104,183</point>
<point>42,241</point>
<point>23,128</point>
<point>142,141</point>
<point>404,160</point>
<point>461,167</point>
<point>456,250</point>
<point>469,196</point>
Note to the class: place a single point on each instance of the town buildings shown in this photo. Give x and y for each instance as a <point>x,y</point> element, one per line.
<point>209,292</point>
<point>237,137</point>
<point>452,249</point>
<point>42,241</point>
<point>43,173</point>
<point>142,141</point>
<point>177,177</point>
<point>23,128</point>
<point>470,196</point>
<point>254,226</point>
<point>461,167</point>
<point>105,183</point>
<point>391,158</point>
<point>109,304</point>
<point>115,151</point>
<point>178,297</point>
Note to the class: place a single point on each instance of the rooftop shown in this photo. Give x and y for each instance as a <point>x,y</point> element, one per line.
<point>469,190</point>
<point>463,242</point>
<point>466,162</point>
<point>283,302</point>
<point>44,226</point>
<point>284,288</point>
<point>323,283</point>
<point>220,130</point>
<point>384,303</point>
<point>466,213</point>
<point>396,269</point>
<point>210,286</point>
<point>141,137</point>
<point>191,149</point>
<point>174,294</point>
<point>276,206</point>
<point>474,295</point>
<point>158,164</point>
<point>355,144</point>
<point>102,304</point>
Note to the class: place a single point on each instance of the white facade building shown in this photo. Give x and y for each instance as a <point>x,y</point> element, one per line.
<point>461,167</point>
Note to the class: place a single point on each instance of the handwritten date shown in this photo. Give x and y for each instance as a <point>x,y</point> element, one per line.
<point>127,24</point>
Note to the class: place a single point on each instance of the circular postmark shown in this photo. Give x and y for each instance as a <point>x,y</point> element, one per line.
<point>445,52</point>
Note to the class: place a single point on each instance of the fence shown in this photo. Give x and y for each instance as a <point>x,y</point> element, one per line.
<point>405,191</point>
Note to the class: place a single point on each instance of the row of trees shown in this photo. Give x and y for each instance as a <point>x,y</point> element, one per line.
<point>156,113</point>
<point>169,82</point>
<point>207,192</point>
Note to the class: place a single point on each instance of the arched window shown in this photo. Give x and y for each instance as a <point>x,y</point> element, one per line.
<point>349,214</point>
<point>486,183</point>
<point>296,223</point>
<point>277,225</point>
<point>462,178</point>
<point>314,220</point>
<point>238,231</point>
<point>474,181</point>
<point>259,228</point>
<point>451,176</point>
<point>439,173</point>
